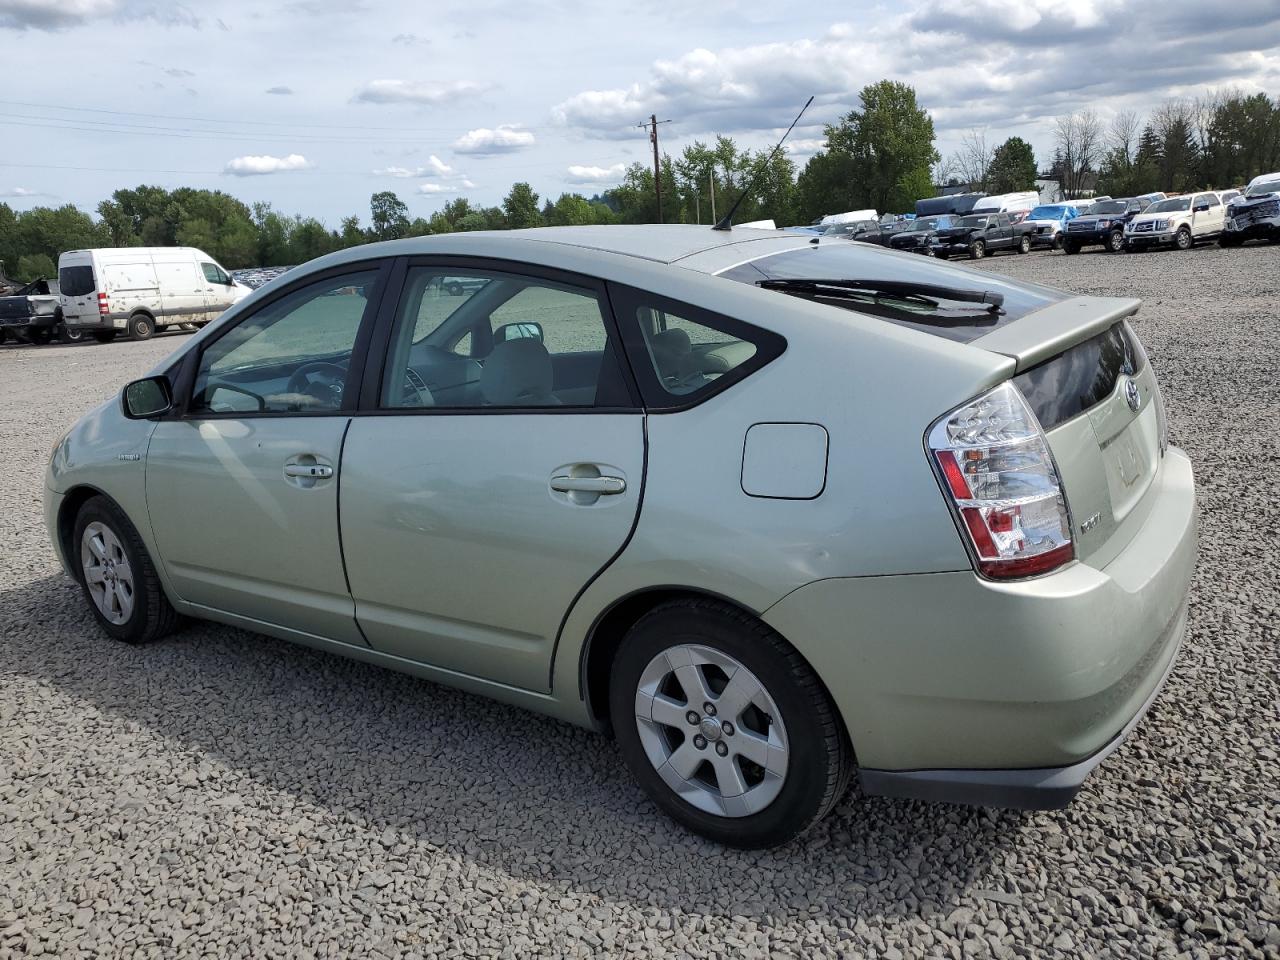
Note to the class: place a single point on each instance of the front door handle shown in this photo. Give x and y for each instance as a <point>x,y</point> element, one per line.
<point>308,471</point>
<point>604,486</point>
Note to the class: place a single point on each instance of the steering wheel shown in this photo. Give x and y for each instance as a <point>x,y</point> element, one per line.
<point>416,391</point>
<point>319,379</point>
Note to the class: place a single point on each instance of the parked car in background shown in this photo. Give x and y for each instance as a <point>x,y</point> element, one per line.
<point>33,313</point>
<point>1180,222</point>
<point>849,216</point>
<point>139,290</point>
<point>979,234</point>
<point>921,234</point>
<point>1256,215</point>
<point>1048,223</point>
<point>627,483</point>
<point>1103,225</point>
<point>853,229</point>
<point>888,230</point>
<point>1019,202</point>
<point>1226,196</point>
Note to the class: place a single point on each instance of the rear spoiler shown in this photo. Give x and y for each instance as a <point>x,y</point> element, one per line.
<point>1048,332</point>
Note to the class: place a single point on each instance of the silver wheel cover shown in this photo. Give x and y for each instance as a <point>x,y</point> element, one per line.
<point>671,719</point>
<point>107,572</point>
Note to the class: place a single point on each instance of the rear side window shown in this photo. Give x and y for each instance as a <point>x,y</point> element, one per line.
<point>683,354</point>
<point>76,281</point>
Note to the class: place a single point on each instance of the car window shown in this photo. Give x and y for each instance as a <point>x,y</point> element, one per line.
<point>689,353</point>
<point>1210,198</point>
<point>291,355</point>
<point>214,273</point>
<point>491,339</point>
<point>76,281</point>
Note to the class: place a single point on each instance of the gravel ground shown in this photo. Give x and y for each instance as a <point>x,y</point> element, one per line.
<point>224,794</point>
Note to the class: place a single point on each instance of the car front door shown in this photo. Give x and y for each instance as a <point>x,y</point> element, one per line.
<point>242,481</point>
<point>1211,219</point>
<point>494,469</point>
<point>182,294</point>
<point>218,290</point>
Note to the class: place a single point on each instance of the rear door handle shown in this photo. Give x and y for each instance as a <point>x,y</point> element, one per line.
<point>309,471</point>
<point>604,486</point>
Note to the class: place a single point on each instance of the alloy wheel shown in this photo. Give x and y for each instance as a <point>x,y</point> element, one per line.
<point>712,730</point>
<point>107,572</point>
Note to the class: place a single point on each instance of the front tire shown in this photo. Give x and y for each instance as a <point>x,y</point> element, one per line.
<point>117,577</point>
<point>1182,239</point>
<point>725,725</point>
<point>141,327</point>
<point>1071,247</point>
<point>977,250</point>
<point>1115,241</point>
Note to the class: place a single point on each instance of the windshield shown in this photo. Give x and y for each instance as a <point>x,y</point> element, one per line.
<point>1109,206</point>
<point>1265,187</point>
<point>928,223</point>
<point>870,263</point>
<point>1173,205</point>
<point>1046,213</point>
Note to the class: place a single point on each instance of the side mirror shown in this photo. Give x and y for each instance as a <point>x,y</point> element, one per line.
<point>523,330</point>
<point>144,399</point>
<point>1201,207</point>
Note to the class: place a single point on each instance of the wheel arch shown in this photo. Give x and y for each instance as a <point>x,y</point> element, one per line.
<point>69,509</point>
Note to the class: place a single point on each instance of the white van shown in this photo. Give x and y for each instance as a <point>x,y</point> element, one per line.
<point>1021,202</point>
<point>832,219</point>
<point>139,290</point>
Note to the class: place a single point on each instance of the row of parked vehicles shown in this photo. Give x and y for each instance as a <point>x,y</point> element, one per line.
<point>976,225</point>
<point>129,291</point>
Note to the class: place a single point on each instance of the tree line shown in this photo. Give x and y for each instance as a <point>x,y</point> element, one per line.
<point>881,155</point>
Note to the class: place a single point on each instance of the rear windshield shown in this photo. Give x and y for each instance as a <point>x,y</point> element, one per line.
<point>1266,186</point>
<point>1083,376</point>
<point>76,281</point>
<point>867,262</point>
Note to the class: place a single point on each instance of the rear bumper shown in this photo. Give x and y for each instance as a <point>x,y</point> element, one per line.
<point>956,688</point>
<point>44,321</point>
<point>96,322</point>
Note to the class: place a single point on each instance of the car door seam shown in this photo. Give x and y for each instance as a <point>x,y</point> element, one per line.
<point>342,553</point>
<point>635,523</point>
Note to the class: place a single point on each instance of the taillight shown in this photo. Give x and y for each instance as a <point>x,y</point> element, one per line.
<point>995,465</point>
<point>103,307</point>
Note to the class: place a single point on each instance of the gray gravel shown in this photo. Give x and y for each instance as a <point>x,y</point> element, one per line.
<point>224,794</point>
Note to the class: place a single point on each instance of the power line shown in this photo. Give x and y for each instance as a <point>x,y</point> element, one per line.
<point>240,121</point>
<point>183,133</point>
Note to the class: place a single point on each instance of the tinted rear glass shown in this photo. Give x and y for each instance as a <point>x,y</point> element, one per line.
<point>76,281</point>
<point>1083,376</point>
<point>850,261</point>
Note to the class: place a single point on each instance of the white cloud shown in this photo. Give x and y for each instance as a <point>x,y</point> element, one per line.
<point>418,91</point>
<point>589,174</point>
<point>804,146</point>
<point>20,193</point>
<point>62,14</point>
<point>280,91</point>
<point>430,187</point>
<point>435,168</point>
<point>252,166</point>
<point>506,138</point>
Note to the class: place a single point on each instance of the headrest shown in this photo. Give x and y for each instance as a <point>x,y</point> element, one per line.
<point>517,373</point>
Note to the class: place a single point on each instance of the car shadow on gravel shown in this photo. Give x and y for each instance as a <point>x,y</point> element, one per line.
<point>497,786</point>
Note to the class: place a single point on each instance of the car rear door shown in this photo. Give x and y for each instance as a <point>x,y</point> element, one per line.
<point>494,469</point>
<point>1212,220</point>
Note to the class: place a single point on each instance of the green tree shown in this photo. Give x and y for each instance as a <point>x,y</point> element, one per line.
<point>389,216</point>
<point>521,207</point>
<point>33,266</point>
<point>1013,167</point>
<point>351,234</point>
<point>572,209</point>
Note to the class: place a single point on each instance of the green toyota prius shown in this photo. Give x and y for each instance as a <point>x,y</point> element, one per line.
<point>772,510</point>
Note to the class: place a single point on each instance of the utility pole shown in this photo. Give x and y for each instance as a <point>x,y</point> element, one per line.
<point>711,178</point>
<point>652,124</point>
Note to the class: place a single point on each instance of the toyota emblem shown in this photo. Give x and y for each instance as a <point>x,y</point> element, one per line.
<point>1133,395</point>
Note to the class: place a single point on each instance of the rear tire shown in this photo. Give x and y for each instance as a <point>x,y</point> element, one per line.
<point>70,334</point>
<point>141,327</point>
<point>104,336</point>
<point>977,250</point>
<point>1024,245</point>
<point>1225,241</point>
<point>116,575</point>
<point>40,336</point>
<point>673,658</point>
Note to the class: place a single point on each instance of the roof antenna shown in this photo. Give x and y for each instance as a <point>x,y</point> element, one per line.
<point>726,222</point>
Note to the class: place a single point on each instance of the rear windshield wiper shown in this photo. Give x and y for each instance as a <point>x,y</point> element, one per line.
<point>906,289</point>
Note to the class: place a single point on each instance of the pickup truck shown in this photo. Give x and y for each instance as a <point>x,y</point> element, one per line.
<point>1103,224</point>
<point>33,313</point>
<point>1256,215</point>
<point>1178,221</point>
<point>920,235</point>
<point>981,233</point>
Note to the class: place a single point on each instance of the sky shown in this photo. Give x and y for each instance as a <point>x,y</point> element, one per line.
<point>314,105</point>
